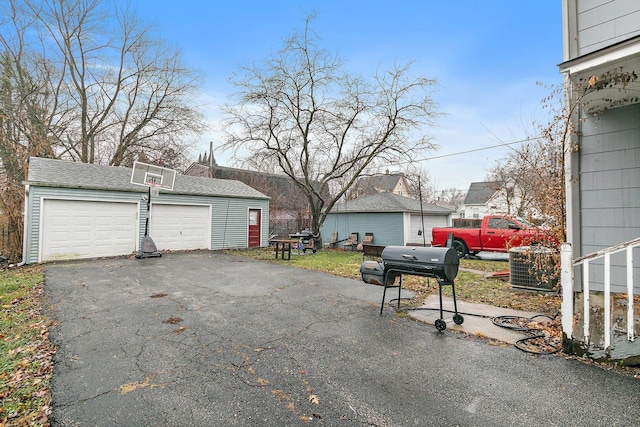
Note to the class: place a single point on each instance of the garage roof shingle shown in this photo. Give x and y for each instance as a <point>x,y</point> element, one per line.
<point>62,173</point>
<point>388,202</point>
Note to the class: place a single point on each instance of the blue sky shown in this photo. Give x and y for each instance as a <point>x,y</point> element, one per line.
<point>486,55</point>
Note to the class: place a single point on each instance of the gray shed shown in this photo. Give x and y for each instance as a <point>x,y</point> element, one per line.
<point>393,220</point>
<point>79,210</point>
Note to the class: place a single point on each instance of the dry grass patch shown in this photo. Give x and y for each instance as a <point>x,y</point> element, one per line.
<point>25,351</point>
<point>470,286</point>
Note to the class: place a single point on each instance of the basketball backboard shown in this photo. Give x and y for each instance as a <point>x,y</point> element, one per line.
<point>153,176</point>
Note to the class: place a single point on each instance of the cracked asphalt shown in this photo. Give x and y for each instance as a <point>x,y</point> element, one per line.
<point>210,339</point>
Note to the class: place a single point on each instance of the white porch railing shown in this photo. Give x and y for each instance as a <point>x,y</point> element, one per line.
<point>567,265</point>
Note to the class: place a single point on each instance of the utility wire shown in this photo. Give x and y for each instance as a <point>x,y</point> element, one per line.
<point>505,144</point>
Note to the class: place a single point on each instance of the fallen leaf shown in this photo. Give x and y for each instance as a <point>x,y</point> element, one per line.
<point>40,393</point>
<point>314,399</point>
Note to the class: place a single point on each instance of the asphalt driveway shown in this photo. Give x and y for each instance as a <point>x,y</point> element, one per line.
<point>209,339</point>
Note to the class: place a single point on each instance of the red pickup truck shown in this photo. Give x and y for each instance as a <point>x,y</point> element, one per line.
<point>497,233</point>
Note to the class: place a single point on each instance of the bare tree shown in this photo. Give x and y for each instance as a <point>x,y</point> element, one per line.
<point>453,196</point>
<point>26,102</point>
<point>85,80</point>
<point>536,170</point>
<point>524,174</point>
<point>300,110</point>
<point>288,212</point>
<point>120,92</point>
<point>422,184</point>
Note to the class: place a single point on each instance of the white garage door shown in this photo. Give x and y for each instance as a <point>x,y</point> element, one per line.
<point>180,227</point>
<point>415,232</point>
<point>73,229</point>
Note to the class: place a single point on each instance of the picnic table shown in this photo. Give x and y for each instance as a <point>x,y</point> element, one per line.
<point>283,246</point>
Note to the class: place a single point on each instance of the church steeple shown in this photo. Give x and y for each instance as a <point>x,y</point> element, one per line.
<point>212,160</point>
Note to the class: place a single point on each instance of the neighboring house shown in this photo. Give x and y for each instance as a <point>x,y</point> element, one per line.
<point>79,210</point>
<point>395,183</point>
<point>483,198</point>
<point>393,220</point>
<point>602,39</point>
<point>289,208</point>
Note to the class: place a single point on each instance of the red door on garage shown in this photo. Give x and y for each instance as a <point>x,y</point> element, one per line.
<point>254,228</point>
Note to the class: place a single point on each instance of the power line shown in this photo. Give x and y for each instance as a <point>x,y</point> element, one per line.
<point>477,149</point>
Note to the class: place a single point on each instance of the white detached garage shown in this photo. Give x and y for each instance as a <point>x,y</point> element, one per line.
<point>78,210</point>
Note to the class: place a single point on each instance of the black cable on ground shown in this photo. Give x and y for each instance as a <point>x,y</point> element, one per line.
<point>513,323</point>
<point>436,308</point>
<point>526,344</point>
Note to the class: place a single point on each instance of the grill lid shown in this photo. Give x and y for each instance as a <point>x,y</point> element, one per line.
<point>422,261</point>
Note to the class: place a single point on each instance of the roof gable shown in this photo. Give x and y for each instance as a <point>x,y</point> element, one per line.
<point>481,192</point>
<point>62,173</point>
<point>379,183</point>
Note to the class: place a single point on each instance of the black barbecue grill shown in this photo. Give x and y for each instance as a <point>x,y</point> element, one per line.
<point>306,240</point>
<point>437,262</point>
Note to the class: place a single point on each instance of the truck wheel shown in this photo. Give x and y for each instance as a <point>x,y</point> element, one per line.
<point>460,247</point>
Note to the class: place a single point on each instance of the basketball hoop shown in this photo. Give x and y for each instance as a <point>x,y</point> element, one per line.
<point>153,177</point>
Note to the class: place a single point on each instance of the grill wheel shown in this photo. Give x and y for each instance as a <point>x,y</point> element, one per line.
<point>441,325</point>
<point>458,319</point>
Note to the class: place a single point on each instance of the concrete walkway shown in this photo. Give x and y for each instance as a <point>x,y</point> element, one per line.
<point>477,318</point>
